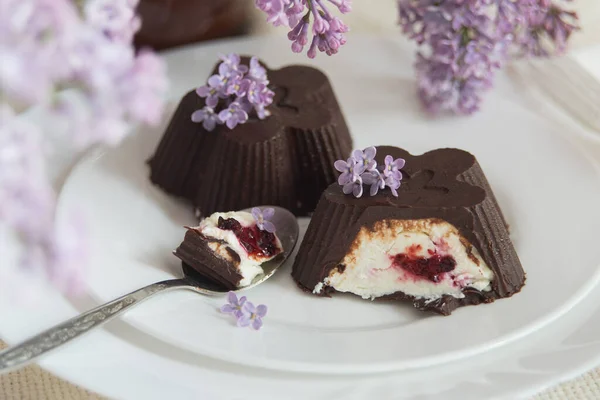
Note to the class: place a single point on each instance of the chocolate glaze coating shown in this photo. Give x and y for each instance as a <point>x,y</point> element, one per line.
<point>195,253</point>
<point>446,183</point>
<point>285,160</point>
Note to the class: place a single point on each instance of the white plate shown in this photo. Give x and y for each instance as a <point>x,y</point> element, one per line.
<point>534,171</point>
<point>124,363</point>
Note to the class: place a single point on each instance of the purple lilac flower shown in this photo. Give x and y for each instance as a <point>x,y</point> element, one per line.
<point>47,46</point>
<point>231,65</point>
<point>392,167</point>
<point>257,72</point>
<point>233,115</point>
<point>349,169</point>
<point>207,116</point>
<point>375,179</point>
<point>463,43</point>
<point>116,19</point>
<point>244,90</point>
<point>354,186</point>
<point>262,218</point>
<point>361,169</point>
<point>393,184</point>
<point>253,316</point>
<point>234,305</point>
<point>143,88</point>
<point>327,30</point>
<point>216,87</point>
<point>366,158</point>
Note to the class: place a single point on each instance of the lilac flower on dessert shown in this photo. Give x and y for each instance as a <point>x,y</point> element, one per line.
<point>354,186</point>
<point>235,94</point>
<point>366,158</point>
<point>392,167</point>
<point>349,169</point>
<point>234,305</point>
<point>207,116</point>
<point>253,315</point>
<point>257,72</point>
<point>393,184</point>
<point>262,218</point>
<point>231,65</point>
<point>375,179</point>
<point>212,93</point>
<point>327,30</point>
<point>362,168</point>
<point>234,114</point>
<point>463,44</point>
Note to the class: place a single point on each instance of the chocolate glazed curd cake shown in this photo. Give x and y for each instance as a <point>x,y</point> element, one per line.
<point>229,248</point>
<point>285,159</point>
<point>441,243</point>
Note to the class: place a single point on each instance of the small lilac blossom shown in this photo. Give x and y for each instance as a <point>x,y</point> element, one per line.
<point>393,184</point>
<point>349,169</point>
<point>116,19</point>
<point>253,316</point>
<point>234,305</point>
<point>207,116</point>
<point>257,72</point>
<point>262,218</point>
<point>233,115</point>
<point>375,179</point>
<point>392,167</point>
<point>366,158</point>
<point>239,87</point>
<point>327,30</point>
<point>231,64</point>
<point>354,186</point>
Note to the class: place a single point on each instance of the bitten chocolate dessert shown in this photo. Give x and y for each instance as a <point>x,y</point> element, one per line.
<point>229,248</point>
<point>438,239</point>
<point>285,159</point>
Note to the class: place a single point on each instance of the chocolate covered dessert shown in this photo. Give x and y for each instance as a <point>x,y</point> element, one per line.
<point>429,231</point>
<point>276,145</point>
<point>229,248</point>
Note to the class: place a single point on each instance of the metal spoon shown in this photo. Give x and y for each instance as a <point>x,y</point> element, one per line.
<point>24,353</point>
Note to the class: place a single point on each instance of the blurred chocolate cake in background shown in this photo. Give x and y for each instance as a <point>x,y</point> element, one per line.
<point>171,23</point>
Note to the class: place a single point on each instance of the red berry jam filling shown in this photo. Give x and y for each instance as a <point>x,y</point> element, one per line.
<point>256,242</point>
<point>430,268</point>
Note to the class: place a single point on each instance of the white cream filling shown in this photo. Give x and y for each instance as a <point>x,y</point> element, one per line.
<point>249,266</point>
<point>370,270</point>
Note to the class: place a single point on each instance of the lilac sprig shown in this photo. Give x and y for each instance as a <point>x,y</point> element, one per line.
<point>361,169</point>
<point>245,313</point>
<point>327,30</point>
<point>263,217</point>
<point>74,64</point>
<point>464,43</point>
<point>234,93</point>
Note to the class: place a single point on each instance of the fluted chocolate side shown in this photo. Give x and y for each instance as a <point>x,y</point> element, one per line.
<point>447,184</point>
<point>177,164</point>
<point>246,168</point>
<point>285,160</point>
<point>195,253</point>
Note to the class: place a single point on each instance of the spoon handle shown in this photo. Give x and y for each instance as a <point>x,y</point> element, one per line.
<point>60,334</point>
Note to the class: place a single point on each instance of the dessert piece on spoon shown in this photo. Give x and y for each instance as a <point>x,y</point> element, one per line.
<point>427,230</point>
<point>230,248</point>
